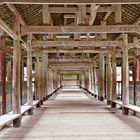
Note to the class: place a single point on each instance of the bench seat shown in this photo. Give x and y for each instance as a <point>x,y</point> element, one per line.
<point>7,118</point>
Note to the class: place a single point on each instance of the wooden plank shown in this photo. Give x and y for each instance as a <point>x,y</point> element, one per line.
<point>70,1</point>
<point>80,29</point>
<point>76,43</point>
<point>133,108</point>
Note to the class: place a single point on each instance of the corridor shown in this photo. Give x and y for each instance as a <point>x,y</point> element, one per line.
<point>74,115</point>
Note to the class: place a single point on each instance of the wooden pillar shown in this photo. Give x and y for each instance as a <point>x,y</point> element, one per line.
<point>44,75</point>
<point>101,77</point>
<point>108,78</point>
<point>16,102</point>
<point>114,77</point>
<point>125,78</point>
<point>118,14</point>
<point>2,82</point>
<point>55,79</point>
<point>9,71</point>
<point>38,84</point>
<point>86,79</point>
<point>29,71</point>
<point>94,78</point>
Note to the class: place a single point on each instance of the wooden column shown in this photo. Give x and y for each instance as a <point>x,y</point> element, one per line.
<point>16,79</point>
<point>118,14</point>
<point>16,102</point>
<point>86,79</point>
<point>37,71</point>
<point>101,77</point>
<point>94,78</point>
<point>114,76</point>
<point>2,82</point>
<point>55,79</point>
<point>125,78</point>
<point>29,71</point>
<point>9,71</point>
<point>108,78</point>
<point>44,75</point>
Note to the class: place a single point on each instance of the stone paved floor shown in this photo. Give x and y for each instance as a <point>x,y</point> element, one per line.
<point>74,116</point>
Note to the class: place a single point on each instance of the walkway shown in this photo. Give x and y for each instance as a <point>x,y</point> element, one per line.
<point>74,116</point>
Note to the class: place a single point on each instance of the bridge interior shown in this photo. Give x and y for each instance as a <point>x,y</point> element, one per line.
<point>71,115</point>
<point>69,69</point>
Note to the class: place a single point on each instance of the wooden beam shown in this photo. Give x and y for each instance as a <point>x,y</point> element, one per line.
<point>80,29</point>
<point>76,43</point>
<point>93,12</point>
<point>75,9</point>
<point>77,51</point>
<point>70,1</point>
<point>8,30</point>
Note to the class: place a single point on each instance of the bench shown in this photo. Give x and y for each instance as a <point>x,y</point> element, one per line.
<point>7,118</point>
<point>10,117</point>
<point>127,107</point>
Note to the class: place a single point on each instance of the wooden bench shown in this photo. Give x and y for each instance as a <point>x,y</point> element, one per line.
<point>127,107</point>
<point>115,102</point>
<point>10,117</point>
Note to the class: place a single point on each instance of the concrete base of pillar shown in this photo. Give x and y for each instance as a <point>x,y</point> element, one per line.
<point>17,122</point>
<point>108,102</point>
<point>101,98</point>
<point>125,111</point>
<point>95,96</point>
<point>113,105</point>
<point>38,105</point>
<point>41,102</point>
<point>44,98</point>
<point>31,111</point>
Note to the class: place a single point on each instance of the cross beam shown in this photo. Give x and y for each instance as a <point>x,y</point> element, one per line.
<point>99,50</point>
<point>80,29</point>
<point>70,1</point>
<point>75,43</point>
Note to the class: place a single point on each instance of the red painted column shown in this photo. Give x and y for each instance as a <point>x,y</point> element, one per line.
<point>3,80</point>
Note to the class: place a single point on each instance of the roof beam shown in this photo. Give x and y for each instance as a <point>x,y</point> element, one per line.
<point>75,9</point>
<point>93,50</point>
<point>76,43</point>
<point>80,29</point>
<point>7,29</point>
<point>70,1</point>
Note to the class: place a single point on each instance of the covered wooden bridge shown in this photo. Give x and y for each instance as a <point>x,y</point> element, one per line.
<point>70,69</point>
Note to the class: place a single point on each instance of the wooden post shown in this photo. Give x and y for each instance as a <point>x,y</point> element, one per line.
<point>37,70</point>
<point>101,77</point>
<point>55,79</point>
<point>118,14</point>
<point>108,78</point>
<point>114,81</point>
<point>16,80</point>
<point>3,81</point>
<point>16,102</point>
<point>86,79</point>
<point>125,79</point>
<point>94,78</point>
<point>29,74</point>
<point>29,71</point>
<point>9,71</point>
